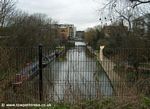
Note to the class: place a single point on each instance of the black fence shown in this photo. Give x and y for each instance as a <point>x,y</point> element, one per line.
<point>35,75</point>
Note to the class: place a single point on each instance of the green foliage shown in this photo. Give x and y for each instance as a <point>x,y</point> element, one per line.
<point>69,45</point>
<point>145,103</point>
<point>131,77</point>
<point>106,103</point>
<point>62,106</point>
<point>94,37</point>
<point>108,51</point>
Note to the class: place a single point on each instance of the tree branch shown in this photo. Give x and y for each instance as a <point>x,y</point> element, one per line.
<point>139,2</point>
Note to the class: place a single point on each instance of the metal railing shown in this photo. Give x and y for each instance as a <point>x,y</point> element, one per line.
<point>32,75</point>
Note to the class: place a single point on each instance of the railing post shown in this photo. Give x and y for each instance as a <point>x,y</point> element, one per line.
<point>40,74</point>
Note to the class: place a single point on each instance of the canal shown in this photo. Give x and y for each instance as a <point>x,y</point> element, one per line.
<point>76,75</point>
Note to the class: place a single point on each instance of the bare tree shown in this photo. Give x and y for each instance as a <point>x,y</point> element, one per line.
<point>30,30</point>
<point>6,10</point>
<point>125,9</point>
<point>134,3</point>
<point>139,2</point>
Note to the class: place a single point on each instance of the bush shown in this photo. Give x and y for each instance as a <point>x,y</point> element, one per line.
<point>131,76</point>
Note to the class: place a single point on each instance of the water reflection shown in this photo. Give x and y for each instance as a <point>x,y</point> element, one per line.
<point>77,76</point>
<point>80,44</point>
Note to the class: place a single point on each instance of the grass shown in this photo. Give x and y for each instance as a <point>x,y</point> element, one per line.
<point>2,75</point>
<point>107,103</point>
<point>60,48</point>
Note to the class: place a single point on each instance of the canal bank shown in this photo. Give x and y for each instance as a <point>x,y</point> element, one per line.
<point>92,52</point>
<point>73,77</point>
<point>118,83</point>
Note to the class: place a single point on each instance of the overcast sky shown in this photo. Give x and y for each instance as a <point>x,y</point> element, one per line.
<point>81,13</point>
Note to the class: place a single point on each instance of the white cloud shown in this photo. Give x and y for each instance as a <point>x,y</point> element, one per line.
<point>81,13</point>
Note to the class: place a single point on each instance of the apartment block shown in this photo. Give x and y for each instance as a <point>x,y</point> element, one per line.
<point>66,31</point>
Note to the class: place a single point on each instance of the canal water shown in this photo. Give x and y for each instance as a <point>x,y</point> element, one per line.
<point>76,75</point>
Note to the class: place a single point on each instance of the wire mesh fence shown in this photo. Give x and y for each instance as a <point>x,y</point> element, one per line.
<point>72,75</point>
